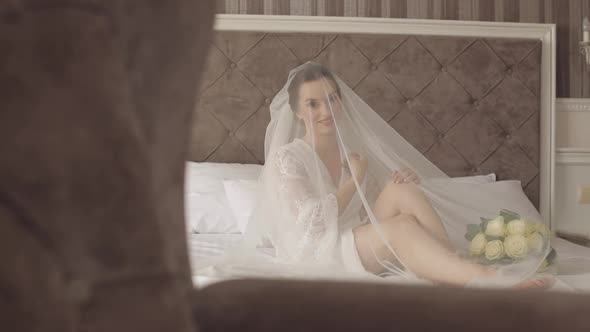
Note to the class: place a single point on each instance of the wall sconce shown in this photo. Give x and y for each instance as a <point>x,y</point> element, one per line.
<point>585,43</point>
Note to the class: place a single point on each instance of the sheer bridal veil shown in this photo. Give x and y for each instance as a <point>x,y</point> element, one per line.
<point>329,165</point>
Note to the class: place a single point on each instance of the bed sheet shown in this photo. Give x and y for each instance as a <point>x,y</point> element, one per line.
<point>573,264</point>
<point>209,245</point>
<point>573,260</point>
<point>206,246</point>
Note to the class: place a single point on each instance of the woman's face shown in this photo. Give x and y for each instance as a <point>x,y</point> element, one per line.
<point>318,104</point>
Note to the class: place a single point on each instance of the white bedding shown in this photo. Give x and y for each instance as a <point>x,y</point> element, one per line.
<point>205,246</point>
<point>207,178</point>
<point>573,268</point>
<point>574,264</point>
<point>209,245</point>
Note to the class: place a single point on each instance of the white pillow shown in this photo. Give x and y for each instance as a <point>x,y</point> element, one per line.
<point>212,206</point>
<point>207,209</point>
<point>477,178</point>
<point>209,213</point>
<point>241,195</point>
<point>208,177</point>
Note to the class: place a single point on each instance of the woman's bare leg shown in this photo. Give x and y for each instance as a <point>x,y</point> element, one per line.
<point>409,199</point>
<point>424,255</point>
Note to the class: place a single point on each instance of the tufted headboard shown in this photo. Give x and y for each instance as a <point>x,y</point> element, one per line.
<point>471,105</point>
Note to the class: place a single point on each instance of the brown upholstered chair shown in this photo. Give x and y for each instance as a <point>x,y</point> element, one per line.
<point>95,98</point>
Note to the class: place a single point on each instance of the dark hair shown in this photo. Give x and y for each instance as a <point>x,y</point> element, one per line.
<point>309,73</point>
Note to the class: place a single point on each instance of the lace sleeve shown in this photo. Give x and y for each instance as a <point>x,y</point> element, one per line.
<point>315,216</point>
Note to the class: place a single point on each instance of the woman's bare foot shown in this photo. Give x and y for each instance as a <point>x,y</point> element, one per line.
<point>487,277</point>
<point>536,283</point>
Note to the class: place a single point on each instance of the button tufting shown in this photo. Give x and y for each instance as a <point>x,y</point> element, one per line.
<point>233,65</point>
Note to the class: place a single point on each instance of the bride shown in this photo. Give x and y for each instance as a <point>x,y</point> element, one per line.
<point>341,188</point>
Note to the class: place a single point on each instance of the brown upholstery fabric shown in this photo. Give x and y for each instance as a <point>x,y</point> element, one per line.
<point>302,306</point>
<point>470,105</point>
<point>97,100</point>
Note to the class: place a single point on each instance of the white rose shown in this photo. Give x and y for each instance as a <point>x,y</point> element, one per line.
<point>516,246</point>
<point>478,244</point>
<point>516,227</point>
<point>530,227</point>
<point>494,250</point>
<point>535,242</point>
<point>496,227</point>
<point>542,229</point>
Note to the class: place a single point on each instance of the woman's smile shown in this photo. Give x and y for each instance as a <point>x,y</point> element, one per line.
<point>327,121</point>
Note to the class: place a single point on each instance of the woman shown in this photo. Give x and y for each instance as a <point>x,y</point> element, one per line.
<point>325,168</point>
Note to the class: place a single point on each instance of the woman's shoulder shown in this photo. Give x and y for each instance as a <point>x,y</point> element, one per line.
<point>288,157</point>
<point>295,148</point>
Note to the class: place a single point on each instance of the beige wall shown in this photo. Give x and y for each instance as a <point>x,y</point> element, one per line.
<point>572,167</point>
<point>572,129</point>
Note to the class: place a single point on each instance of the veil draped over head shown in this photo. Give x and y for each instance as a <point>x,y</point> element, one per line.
<point>329,160</point>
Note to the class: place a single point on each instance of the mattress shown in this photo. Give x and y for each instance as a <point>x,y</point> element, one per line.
<point>573,260</point>
<point>206,247</point>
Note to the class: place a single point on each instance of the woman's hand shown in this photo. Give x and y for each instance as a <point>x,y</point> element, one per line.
<point>358,166</point>
<point>406,175</point>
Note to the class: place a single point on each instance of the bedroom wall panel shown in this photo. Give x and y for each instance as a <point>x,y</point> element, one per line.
<point>572,170</point>
<point>572,167</point>
<point>572,79</point>
<point>572,123</point>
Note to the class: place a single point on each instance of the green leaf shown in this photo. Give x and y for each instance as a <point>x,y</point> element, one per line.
<point>472,231</point>
<point>509,215</point>
<point>484,223</point>
<point>504,260</point>
<point>484,261</point>
<point>551,256</point>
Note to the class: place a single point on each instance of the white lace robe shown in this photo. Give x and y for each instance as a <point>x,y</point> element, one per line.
<point>309,228</point>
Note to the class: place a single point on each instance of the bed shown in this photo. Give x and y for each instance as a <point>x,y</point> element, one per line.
<point>475,100</point>
<point>211,233</point>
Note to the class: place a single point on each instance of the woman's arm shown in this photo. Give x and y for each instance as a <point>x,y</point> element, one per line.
<point>312,216</point>
<point>344,195</point>
<point>358,167</point>
<point>406,175</point>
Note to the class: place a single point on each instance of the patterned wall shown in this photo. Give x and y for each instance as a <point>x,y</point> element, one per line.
<point>572,79</point>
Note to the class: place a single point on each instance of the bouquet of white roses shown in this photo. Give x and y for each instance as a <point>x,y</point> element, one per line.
<point>507,239</point>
